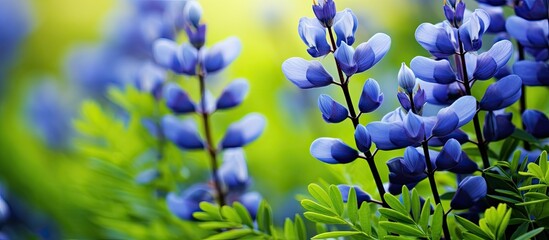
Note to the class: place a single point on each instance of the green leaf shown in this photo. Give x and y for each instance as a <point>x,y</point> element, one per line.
<point>524,136</point>
<point>509,145</point>
<point>531,234</point>
<point>309,205</point>
<point>532,202</point>
<point>503,199</point>
<point>425,214</point>
<point>336,199</point>
<point>230,214</point>
<point>500,233</point>
<point>436,222</point>
<point>299,227</point>
<point>543,162</point>
<point>316,217</point>
<point>336,234</point>
<point>447,196</point>
<point>320,195</point>
<point>352,206</point>
<point>202,216</point>
<point>289,230</point>
<point>364,218</point>
<point>232,234</point>
<point>529,187</point>
<point>264,217</point>
<point>471,236</point>
<point>406,198</point>
<point>210,208</point>
<point>219,225</point>
<point>415,205</point>
<point>536,170</point>
<point>396,216</point>
<point>536,195</point>
<point>394,203</point>
<point>402,229</point>
<point>244,214</point>
<point>471,227</point>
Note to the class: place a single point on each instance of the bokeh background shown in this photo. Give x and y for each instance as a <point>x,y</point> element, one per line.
<point>72,145</point>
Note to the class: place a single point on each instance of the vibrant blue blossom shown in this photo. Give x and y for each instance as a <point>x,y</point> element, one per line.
<point>332,111</point>
<point>404,101</point>
<point>454,14</point>
<point>497,126</point>
<point>397,134</point>
<point>532,73</point>
<point>454,116</point>
<point>470,190</point>
<point>419,100</point>
<point>313,35</point>
<point>534,34</point>
<point>442,94</point>
<point>472,30</point>
<point>433,71</point>
<point>439,40</point>
<point>489,62</point>
<point>408,169</point>
<point>186,203</point>
<point>332,151</point>
<point>197,37</point>
<point>457,134</point>
<point>192,13</point>
<point>234,171</point>
<point>363,139</point>
<point>502,93</point>
<point>464,164</point>
<point>497,18</point>
<point>532,9</point>
<point>371,97</point>
<point>406,79</point>
<point>178,100</point>
<point>151,79</point>
<point>365,56</point>
<point>209,104</point>
<point>325,11</point>
<point>449,156</point>
<point>361,195</point>
<point>536,123</point>
<point>221,55</point>
<point>183,133</point>
<point>306,74</point>
<point>233,94</point>
<point>345,25</point>
<point>243,132</point>
<point>251,201</point>
<point>181,60</point>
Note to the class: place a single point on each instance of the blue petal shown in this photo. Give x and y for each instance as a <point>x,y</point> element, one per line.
<point>414,126</point>
<point>245,131</point>
<point>362,138</point>
<point>536,123</point>
<point>371,52</point>
<point>233,173</point>
<point>502,93</point>
<point>182,133</point>
<point>414,162</point>
<point>221,54</point>
<point>406,79</point>
<point>361,196</point>
<point>233,94</point>
<point>344,56</point>
<point>532,10</point>
<point>404,101</point>
<point>208,103</point>
<point>184,205</point>
<point>177,99</point>
<point>497,18</point>
<point>447,122</point>
<point>332,111</point>
<point>332,151</point>
<point>150,79</point>
<point>532,73</point>
<point>463,110</point>
<point>497,126</point>
<point>449,156</point>
<point>313,35</point>
<point>164,52</point>
<point>192,13</point>
<point>380,133</point>
<point>434,71</point>
<point>181,60</point>
<point>489,62</point>
<point>306,74</point>
<point>406,170</point>
<point>345,25</point>
<point>419,100</point>
<point>528,33</point>
<point>472,30</point>
<point>187,60</point>
<point>251,202</point>
<point>325,12</point>
<point>442,94</point>
<point>469,191</point>
<point>371,97</point>
<point>465,165</point>
<point>457,134</point>
<point>436,39</point>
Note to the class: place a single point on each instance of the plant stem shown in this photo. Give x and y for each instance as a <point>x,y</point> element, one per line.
<point>209,140</point>
<point>354,118</point>
<point>433,184</point>
<point>482,145</point>
<point>520,48</point>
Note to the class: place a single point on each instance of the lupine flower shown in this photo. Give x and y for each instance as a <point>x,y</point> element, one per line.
<point>332,151</point>
<point>180,59</point>
<point>449,156</point>
<point>313,35</point>
<point>365,56</point>
<point>408,169</point>
<point>406,79</point>
<point>433,71</point>
<point>325,11</point>
<point>465,165</point>
<point>243,132</point>
<point>233,94</point>
<point>178,100</point>
<point>182,133</point>
<point>502,93</point>
<point>536,123</point>
<point>15,25</point>
<point>497,126</point>
<point>192,13</point>
<point>456,115</point>
<point>442,94</point>
<point>361,195</point>
<point>371,97</point>
<point>532,9</point>
<point>345,25</point>
<point>489,62</point>
<point>532,34</point>
<point>532,73</point>
<point>497,18</point>
<point>221,54</point>
<point>234,171</point>
<point>362,138</point>
<point>469,191</point>
<point>332,111</point>
<point>186,203</point>
<point>306,74</point>
<point>454,14</point>
<point>151,79</point>
<point>197,37</point>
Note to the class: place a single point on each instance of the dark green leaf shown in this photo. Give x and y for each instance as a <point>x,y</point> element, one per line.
<point>395,216</point>
<point>447,196</point>
<point>402,229</point>
<point>509,145</point>
<point>530,235</point>
<point>415,205</point>
<point>264,217</point>
<point>524,136</point>
<point>471,227</point>
<point>436,222</point>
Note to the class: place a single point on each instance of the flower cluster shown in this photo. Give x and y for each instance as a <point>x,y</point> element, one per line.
<point>230,181</point>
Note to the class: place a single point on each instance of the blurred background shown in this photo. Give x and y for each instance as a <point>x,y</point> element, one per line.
<point>72,146</point>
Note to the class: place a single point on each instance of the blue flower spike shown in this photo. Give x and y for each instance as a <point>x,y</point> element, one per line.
<point>332,111</point>
<point>183,133</point>
<point>469,191</point>
<point>449,156</point>
<point>371,97</point>
<point>361,195</point>
<point>333,151</point>
<point>178,100</point>
<point>536,123</point>
<point>243,132</point>
<point>362,138</point>
<point>306,74</point>
<point>502,93</point>
<point>234,94</point>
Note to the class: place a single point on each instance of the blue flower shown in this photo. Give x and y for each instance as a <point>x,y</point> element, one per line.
<point>221,55</point>
<point>192,13</point>
<point>332,151</point>
<point>397,134</point>
<point>433,71</point>
<point>361,195</point>
<point>489,62</point>
<point>532,73</point>
<point>536,123</point>
<point>502,93</point>
<point>532,34</point>
<point>178,100</point>
<point>365,56</point>
<point>532,9</point>
<point>306,74</point>
<point>449,156</point>
<point>454,14</point>
<point>325,11</point>
<point>243,132</point>
<point>406,79</point>
<point>183,133</point>
<point>332,111</point>
<point>209,105</point>
<point>454,116</point>
<point>251,201</point>
<point>497,18</point>
<point>442,94</point>
<point>439,40</point>
<point>472,30</point>
<point>404,101</point>
<point>150,79</point>
<point>371,97</point>
<point>345,25</point>
<point>233,94</point>
<point>234,171</point>
<point>408,169</point>
<point>469,191</point>
<point>313,35</point>
<point>363,139</point>
<point>185,204</point>
<point>197,37</point>
<point>497,126</point>
<point>181,60</point>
